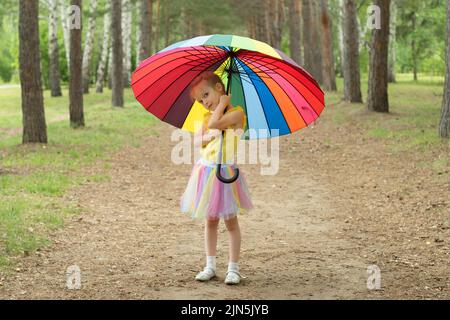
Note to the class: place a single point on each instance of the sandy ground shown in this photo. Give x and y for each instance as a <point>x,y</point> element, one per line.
<point>332,210</point>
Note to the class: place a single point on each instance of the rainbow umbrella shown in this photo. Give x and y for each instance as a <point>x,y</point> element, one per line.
<point>278,96</point>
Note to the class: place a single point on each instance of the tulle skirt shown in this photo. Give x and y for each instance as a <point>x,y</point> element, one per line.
<point>208,197</point>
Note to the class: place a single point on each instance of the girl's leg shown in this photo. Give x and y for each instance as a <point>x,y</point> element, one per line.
<point>210,249</point>
<point>235,238</point>
<point>211,237</point>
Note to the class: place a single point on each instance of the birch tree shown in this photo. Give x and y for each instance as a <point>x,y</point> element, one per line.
<point>89,42</point>
<point>117,53</point>
<point>392,42</point>
<point>53,52</point>
<point>65,25</point>
<point>126,38</point>
<point>104,53</point>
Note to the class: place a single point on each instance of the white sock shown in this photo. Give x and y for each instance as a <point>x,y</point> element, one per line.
<point>211,262</point>
<point>233,266</point>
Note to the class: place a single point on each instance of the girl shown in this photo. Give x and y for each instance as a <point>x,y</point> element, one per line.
<point>206,197</point>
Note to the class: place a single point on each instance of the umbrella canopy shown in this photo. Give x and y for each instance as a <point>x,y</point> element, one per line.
<point>274,91</point>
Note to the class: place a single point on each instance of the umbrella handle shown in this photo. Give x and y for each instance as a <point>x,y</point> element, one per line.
<point>226,180</point>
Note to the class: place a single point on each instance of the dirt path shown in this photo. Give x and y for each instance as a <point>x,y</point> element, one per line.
<point>312,234</point>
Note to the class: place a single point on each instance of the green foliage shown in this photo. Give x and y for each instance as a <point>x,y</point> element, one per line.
<point>421,23</point>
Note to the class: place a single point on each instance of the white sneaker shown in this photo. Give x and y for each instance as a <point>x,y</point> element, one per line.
<point>205,275</point>
<point>233,277</point>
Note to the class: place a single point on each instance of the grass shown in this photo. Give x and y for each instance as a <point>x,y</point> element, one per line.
<point>413,118</point>
<point>33,178</point>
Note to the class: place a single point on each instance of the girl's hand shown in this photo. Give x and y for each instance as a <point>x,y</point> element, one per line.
<point>225,100</point>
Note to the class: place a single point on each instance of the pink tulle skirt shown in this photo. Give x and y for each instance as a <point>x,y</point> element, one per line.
<point>208,197</point>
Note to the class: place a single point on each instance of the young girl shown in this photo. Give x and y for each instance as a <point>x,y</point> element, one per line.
<point>206,197</point>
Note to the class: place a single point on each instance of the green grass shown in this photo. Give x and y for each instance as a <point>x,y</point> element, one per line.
<point>33,178</point>
<point>413,118</point>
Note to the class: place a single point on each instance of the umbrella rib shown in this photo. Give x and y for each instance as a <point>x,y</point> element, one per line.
<point>199,63</point>
<point>169,61</point>
<point>264,59</point>
<point>181,91</point>
<point>309,104</point>
<point>298,111</point>
<point>260,101</point>
<point>285,121</point>
<point>302,83</point>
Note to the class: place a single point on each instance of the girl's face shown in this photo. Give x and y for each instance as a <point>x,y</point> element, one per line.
<point>208,96</point>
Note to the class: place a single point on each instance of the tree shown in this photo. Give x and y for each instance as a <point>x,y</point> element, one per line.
<point>329,77</point>
<point>392,42</point>
<point>145,28</point>
<point>352,85</point>
<point>104,53</point>
<point>444,124</point>
<point>276,18</point>
<point>53,52</point>
<point>377,98</point>
<point>294,22</point>
<point>66,31</point>
<point>311,40</point>
<point>75,80</point>
<point>34,126</point>
<point>126,41</point>
<point>167,22</point>
<point>117,53</point>
<point>88,46</point>
<point>158,24</point>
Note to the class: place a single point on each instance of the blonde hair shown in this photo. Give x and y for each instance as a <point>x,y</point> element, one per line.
<point>211,79</point>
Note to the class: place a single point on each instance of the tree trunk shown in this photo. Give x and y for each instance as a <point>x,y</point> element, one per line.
<point>158,24</point>
<point>392,42</point>
<point>110,61</point>
<point>307,41</point>
<point>377,99</point>
<point>105,49</point>
<point>33,115</point>
<point>413,47</point>
<point>276,22</point>
<point>117,56</point>
<point>316,41</point>
<point>329,77</point>
<point>167,20</point>
<point>444,124</point>
<point>311,40</point>
<point>66,32</point>
<point>145,28</point>
<point>351,54</point>
<point>259,11</point>
<point>295,31</point>
<point>76,80</point>
<point>341,36</point>
<point>126,38</point>
<point>87,54</point>
<point>53,54</point>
